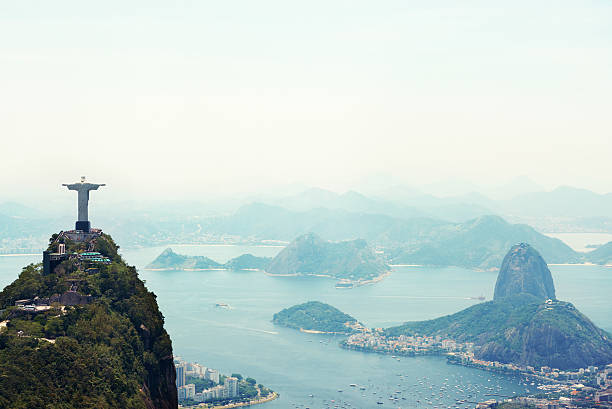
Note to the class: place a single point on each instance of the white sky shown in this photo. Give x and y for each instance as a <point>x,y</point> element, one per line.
<point>205,98</point>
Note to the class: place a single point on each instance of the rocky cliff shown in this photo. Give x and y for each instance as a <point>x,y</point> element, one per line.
<point>524,271</point>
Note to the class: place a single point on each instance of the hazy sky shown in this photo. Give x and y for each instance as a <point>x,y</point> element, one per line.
<point>223,96</point>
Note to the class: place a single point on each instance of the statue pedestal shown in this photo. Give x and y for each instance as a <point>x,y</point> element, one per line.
<point>83,226</point>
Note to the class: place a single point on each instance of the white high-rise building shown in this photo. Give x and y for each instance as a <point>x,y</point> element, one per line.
<point>212,374</point>
<point>231,384</point>
<point>190,391</point>
<point>198,370</point>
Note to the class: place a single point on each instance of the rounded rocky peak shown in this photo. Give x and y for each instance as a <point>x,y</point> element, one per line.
<point>524,271</point>
<point>308,238</point>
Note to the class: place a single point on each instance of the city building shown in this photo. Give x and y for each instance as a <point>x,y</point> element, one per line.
<point>180,375</point>
<point>231,385</point>
<point>190,391</point>
<point>212,375</point>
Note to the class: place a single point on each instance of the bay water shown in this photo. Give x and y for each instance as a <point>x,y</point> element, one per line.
<point>310,370</point>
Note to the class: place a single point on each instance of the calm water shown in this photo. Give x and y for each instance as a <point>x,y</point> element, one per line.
<point>242,339</point>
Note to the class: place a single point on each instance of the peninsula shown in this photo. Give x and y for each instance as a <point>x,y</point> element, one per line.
<point>524,325</point>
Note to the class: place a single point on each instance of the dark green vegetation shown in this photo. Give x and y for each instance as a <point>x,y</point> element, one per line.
<point>111,353</point>
<point>524,271</point>
<point>522,329</point>
<point>315,316</point>
<point>200,383</point>
<point>310,255</point>
<point>519,326</point>
<point>169,260</point>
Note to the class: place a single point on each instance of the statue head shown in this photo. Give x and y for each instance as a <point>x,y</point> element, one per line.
<point>82,179</point>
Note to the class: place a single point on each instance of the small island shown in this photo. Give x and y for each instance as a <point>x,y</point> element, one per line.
<point>352,262</point>
<point>169,260</point>
<point>318,318</point>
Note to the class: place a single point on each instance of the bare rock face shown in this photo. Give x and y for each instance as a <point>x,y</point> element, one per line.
<point>524,271</point>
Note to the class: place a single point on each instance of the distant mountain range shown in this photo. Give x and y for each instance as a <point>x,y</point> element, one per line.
<point>412,227</point>
<point>478,243</point>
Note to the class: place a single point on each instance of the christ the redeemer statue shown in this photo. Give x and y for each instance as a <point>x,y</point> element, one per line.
<point>83,188</point>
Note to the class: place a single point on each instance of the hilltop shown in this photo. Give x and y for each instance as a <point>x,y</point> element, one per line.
<point>520,325</point>
<point>315,316</point>
<point>310,255</point>
<point>248,262</point>
<point>524,271</point>
<point>169,260</point>
<point>601,255</point>
<point>86,334</point>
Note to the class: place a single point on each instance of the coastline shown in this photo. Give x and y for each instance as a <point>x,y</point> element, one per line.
<point>347,281</point>
<point>184,269</point>
<point>269,398</point>
<point>201,269</point>
<point>297,275</point>
<point>373,280</point>
<point>314,331</point>
<point>406,265</point>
